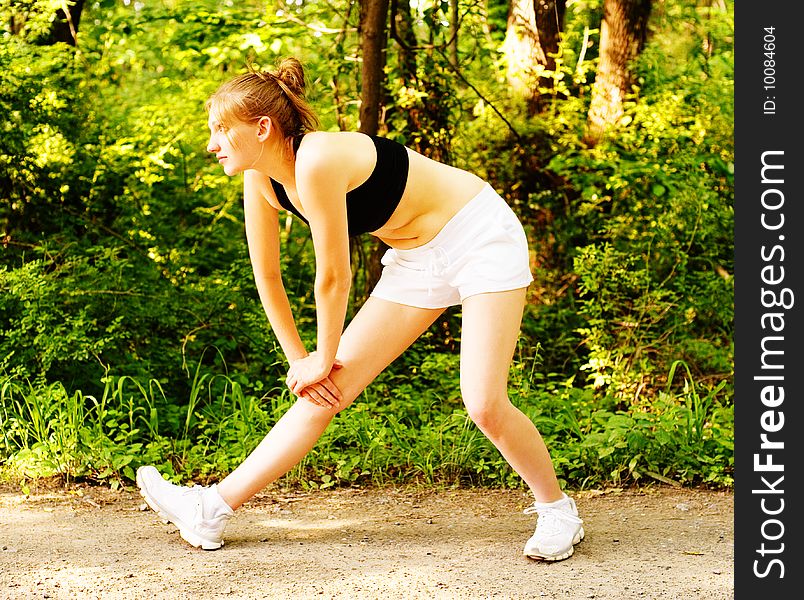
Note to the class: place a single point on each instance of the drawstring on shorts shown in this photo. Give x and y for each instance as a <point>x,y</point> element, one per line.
<point>437,266</point>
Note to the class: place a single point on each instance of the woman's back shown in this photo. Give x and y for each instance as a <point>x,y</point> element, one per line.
<point>433,191</point>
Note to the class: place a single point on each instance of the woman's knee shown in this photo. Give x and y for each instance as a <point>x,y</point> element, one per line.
<point>322,415</point>
<point>350,384</point>
<point>345,403</point>
<point>487,411</point>
<point>311,414</point>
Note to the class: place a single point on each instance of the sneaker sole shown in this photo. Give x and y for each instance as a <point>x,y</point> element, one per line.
<point>556,557</point>
<point>186,533</point>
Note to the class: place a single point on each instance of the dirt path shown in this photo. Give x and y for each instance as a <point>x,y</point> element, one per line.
<point>368,543</point>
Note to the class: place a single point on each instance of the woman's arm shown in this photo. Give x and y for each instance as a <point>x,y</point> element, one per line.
<point>321,182</point>
<point>262,233</point>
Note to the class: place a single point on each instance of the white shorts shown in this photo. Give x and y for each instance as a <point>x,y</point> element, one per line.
<point>483,248</point>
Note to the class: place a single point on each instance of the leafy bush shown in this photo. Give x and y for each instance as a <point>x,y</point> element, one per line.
<point>393,433</point>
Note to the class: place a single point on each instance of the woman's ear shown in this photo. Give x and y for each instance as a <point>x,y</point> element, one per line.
<point>264,128</point>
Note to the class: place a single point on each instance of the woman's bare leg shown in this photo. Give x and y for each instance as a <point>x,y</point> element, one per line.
<point>490,330</point>
<point>377,335</point>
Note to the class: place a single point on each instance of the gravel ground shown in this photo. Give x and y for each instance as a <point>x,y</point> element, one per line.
<point>378,543</point>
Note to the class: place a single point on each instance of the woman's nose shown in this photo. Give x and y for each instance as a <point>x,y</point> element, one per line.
<point>212,146</point>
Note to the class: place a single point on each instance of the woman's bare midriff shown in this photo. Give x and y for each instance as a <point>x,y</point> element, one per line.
<point>434,193</point>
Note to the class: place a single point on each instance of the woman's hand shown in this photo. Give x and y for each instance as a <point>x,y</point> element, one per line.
<point>324,393</point>
<point>309,377</point>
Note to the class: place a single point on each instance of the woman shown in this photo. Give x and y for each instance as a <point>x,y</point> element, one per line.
<point>452,241</point>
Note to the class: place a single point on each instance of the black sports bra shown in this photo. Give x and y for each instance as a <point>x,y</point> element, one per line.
<point>371,204</point>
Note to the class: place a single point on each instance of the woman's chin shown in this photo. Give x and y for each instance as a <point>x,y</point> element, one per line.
<point>231,170</point>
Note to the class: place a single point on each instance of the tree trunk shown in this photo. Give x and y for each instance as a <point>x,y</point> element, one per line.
<point>623,33</point>
<point>373,18</point>
<point>421,69</point>
<point>65,27</point>
<point>453,32</point>
<point>406,38</point>
<point>530,46</point>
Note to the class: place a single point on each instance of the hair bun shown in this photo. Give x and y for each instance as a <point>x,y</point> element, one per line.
<point>290,72</point>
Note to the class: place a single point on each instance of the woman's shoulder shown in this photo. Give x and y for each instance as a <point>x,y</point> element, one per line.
<point>256,179</point>
<point>336,149</point>
<point>333,141</point>
<point>258,185</point>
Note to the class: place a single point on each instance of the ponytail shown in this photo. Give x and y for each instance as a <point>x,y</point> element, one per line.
<point>278,94</point>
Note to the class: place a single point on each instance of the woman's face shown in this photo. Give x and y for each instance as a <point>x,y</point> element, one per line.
<point>236,147</point>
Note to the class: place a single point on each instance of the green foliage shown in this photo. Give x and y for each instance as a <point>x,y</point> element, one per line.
<point>392,433</point>
<point>43,162</point>
<point>50,432</point>
<point>655,272</point>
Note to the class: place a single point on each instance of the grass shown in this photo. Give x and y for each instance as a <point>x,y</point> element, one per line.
<point>393,434</point>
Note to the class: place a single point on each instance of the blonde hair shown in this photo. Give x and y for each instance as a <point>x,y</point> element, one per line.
<point>278,94</point>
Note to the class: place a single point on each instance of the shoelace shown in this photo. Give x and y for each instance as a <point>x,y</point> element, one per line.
<point>194,492</point>
<point>549,517</point>
<point>187,490</point>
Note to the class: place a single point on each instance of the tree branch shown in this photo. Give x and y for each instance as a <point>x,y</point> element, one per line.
<point>456,70</point>
<point>453,67</point>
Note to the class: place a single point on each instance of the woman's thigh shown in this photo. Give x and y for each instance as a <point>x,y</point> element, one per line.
<point>489,331</point>
<point>378,334</point>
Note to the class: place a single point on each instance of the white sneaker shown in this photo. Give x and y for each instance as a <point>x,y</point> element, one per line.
<point>199,512</point>
<point>558,529</point>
